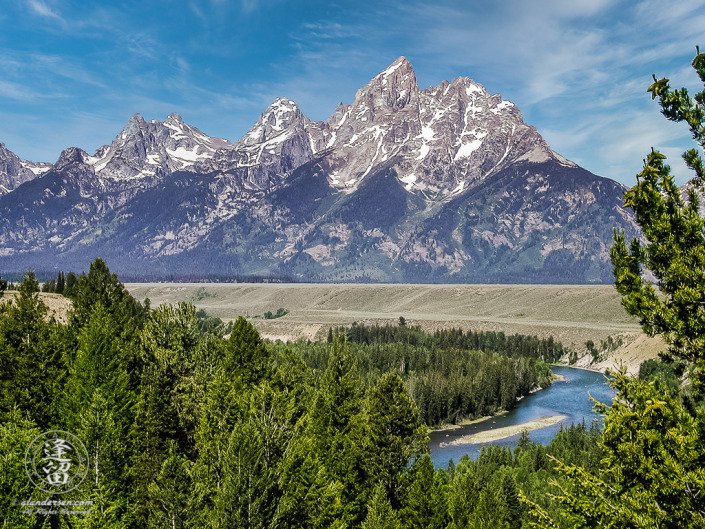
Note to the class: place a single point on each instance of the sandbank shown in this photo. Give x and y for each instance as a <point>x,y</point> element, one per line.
<point>508,431</point>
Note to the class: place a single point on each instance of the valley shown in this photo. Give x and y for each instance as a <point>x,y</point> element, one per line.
<point>572,314</point>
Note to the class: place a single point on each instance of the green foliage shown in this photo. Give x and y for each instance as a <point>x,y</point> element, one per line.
<point>446,383</point>
<point>31,366</point>
<point>590,346</point>
<point>246,356</point>
<point>168,494</point>
<point>98,409</point>
<point>668,373</point>
<point>100,287</point>
<point>186,428</point>
<point>651,474</point>
<point>396,433</point>
<point>380,514</point>
<point>60,283</point>
<point>514,346</point>
<point>424,503</point>
<point>16,433</point>
<point>674,247</point>
<point>280,312</point>
<point>70,286</point>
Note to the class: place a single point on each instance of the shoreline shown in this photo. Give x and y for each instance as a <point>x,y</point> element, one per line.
<point>468,422</point>
<point>592,369</point>
<point>489,436</point>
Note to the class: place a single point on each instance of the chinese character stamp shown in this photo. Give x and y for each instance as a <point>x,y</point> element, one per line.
<point>56,462</point>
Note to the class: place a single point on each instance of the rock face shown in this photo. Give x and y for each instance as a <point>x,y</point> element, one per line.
<point>446,184</point>
<point>14,172</point>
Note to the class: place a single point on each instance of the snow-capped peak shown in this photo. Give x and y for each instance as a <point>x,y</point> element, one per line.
<point>154,149</point>
<point>280,116</point>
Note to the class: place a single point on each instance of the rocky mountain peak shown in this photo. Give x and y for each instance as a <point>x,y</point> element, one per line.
<point>174,118</point>
<point>133,127</point>
<point>392,90</point>
<point>282,115</point>
<point>13,171</point>
<point>154,149</point>
<point>442,184</point>
<point>75,163</point>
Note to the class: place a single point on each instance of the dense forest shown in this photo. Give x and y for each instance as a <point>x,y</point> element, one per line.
<point>186,427</point>
<point>450,375</point>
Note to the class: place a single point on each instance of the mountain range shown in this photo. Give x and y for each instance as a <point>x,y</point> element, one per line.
<point>445,184</point>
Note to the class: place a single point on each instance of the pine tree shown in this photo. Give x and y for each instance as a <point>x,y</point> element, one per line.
<point>16,434</point>
<point>674,251</point>
<point>98,409</point>
<point>380,514</point>
<point>512,506</point>
<point>30,356</point>
<point>60,283</point>
<point>424,504</point>
<point>651,473</point>
<point>396,433</point>
<point>70,285</point>
<point>168,494</point>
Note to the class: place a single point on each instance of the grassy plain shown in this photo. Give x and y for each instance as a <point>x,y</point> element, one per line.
<point>572,314</point>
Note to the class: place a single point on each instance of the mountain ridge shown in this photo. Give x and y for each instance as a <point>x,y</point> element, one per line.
<point>442,184</point>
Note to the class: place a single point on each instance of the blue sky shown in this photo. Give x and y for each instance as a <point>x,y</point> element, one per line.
<point>72,72</point>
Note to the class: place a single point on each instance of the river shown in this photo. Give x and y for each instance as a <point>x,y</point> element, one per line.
<point>569,397</point>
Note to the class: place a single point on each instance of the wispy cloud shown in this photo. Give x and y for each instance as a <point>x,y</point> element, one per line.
<point>22,92</point>
<point>42,9</point>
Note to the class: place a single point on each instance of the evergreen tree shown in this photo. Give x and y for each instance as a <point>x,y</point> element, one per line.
<point>674,251</point>
<point>380,514</point>
<point>396,433</point>
<point>16,434</point>
<point>70,285</point>
<point>60,283</point>
<point>249,495</point>
<point>100,287</point>
<point>424,504</point>
<point>245,363</point>
<point>97,408</point>
<point>168,494</point>
<point>512,507</point>
<point>154,430</point>
<point>651,474</point>
<point>31,368</point>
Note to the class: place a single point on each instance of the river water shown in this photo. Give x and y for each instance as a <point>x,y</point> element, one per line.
<point>569,397</point>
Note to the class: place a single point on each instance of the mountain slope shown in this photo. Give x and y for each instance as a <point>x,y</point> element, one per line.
<point>437,185</point>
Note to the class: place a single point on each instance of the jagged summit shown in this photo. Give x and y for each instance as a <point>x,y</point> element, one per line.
<point>154,149</point>
<point>442,184</point>
<point>14,172</point>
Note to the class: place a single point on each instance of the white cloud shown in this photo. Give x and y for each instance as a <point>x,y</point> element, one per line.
<point>42,9</point>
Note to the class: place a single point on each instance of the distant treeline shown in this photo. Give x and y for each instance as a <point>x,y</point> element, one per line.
<point>205,278</point>
<point>52,275</point>
<point>448,377</point>
<point>489,341</point>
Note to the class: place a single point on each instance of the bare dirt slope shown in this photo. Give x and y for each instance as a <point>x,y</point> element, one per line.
<point>572,314</point>
<point>58,304</point>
